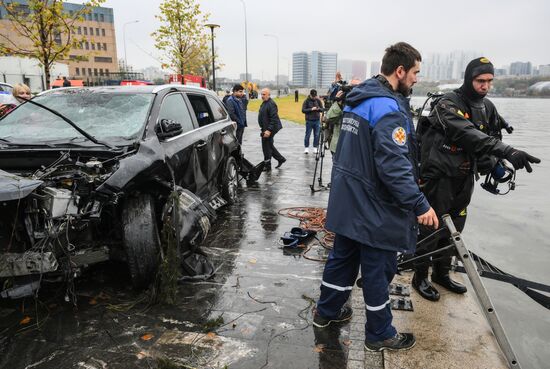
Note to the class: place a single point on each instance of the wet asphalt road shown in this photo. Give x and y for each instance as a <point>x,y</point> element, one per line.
<point>263,296</point>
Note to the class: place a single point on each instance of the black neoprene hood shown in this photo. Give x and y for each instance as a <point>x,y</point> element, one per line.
<point>476,67</point>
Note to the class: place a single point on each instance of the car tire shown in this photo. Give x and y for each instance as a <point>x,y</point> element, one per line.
<point>140,239</point>
<point>230,181</point>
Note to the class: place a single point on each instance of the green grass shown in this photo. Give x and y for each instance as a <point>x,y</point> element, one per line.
<point>288,109</point>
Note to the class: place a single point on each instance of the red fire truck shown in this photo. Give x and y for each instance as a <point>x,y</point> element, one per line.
<point>187,79</point>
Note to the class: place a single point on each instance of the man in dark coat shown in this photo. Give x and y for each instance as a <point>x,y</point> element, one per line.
<point>460,139</point>
<point>312,108</point>
<point>237,111</point>
<point>375,202</point>
<point>270,124</point>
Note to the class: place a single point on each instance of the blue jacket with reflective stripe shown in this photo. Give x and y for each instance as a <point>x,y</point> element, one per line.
<point>374,197</point>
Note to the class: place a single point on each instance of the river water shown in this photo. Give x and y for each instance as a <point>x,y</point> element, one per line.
<point>513,231</point>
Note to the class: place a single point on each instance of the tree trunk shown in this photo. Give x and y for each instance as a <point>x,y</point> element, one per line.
<point>47,75</point>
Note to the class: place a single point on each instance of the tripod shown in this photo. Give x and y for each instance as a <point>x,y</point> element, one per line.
<point>320,158</point>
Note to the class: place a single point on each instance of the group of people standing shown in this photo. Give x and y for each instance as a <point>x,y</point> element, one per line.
<point>390,184</point>
<point>268,119</point>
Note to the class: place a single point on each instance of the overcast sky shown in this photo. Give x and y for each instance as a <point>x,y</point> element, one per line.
<point>504,30</point>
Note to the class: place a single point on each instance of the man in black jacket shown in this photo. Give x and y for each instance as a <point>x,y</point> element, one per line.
<point>312,108</point>
<point>270,124</point>
<point>460,139</point>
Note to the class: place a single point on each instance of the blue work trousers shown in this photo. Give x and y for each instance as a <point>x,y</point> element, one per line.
<point>378,267</point>
<point>312,125</point>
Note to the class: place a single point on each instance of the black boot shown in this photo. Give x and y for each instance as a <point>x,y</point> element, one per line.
<point>440,275</point>
<point>423,286</point>
<point>280,162</point>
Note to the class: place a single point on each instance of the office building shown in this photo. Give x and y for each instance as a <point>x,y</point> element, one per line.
<point>96,55</point>
<point>359,70</point>
<point>345,67</point>
<point>446,66</point>
<point>316,69</point>
<point>521,69</point>
<point>300,69</point>
<point>322,68</point>
<point>375,68</point>
<point>544,70</point>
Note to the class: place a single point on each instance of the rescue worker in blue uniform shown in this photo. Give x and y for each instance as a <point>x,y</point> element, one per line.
<point>459,139</point>
<point>375,203</point>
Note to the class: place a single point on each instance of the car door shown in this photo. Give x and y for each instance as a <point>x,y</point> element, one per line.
<point>213,125</point>
<point>180,147</point>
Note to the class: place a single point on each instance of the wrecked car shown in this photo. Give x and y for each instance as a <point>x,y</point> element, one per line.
<point>85,174</point>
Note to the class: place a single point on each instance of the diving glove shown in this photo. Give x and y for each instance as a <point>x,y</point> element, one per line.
<point>520,159</point>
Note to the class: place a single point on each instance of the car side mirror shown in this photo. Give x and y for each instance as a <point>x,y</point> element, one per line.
<point>167,128</point>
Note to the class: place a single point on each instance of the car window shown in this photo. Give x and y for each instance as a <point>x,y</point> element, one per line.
<point>201,109</point>
<point>217,110</point>
<point>174,108</point>
<point>104,115</point>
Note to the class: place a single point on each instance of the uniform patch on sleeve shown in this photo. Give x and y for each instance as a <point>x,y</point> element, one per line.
<point>399,136</point>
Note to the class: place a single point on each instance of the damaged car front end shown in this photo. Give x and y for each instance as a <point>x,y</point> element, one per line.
<point>86,173</point>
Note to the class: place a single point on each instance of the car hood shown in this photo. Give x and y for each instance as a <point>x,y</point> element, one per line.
<point>13,187</point>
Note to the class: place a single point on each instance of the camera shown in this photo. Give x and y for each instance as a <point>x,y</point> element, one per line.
<point>345,88</point>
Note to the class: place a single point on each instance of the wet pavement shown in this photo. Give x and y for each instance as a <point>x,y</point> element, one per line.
<point>254,313</point>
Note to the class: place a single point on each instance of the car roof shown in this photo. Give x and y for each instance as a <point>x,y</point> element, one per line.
<point>134,89</point>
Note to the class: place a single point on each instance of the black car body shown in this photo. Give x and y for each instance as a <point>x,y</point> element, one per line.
<point>71,199</point>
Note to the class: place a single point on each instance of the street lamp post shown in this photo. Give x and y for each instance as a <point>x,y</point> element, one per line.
<point>245,48</point>
<point>277,77</point>
<point>124,41</point>
<point>212,26</point>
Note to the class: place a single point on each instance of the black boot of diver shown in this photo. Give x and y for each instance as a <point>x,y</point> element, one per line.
<point>423,286</point>
<point>440,275</point>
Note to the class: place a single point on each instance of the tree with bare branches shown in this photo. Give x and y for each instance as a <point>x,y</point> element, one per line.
<point>47,27</point>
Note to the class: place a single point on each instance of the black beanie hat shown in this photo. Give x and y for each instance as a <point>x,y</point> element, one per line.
<point>313,92</point>
<point>473,69</point>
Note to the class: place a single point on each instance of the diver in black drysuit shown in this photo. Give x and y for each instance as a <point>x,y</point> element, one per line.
<point>459,140</point>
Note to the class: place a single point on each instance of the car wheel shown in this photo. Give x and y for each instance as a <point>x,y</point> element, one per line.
<point>230,181</point>
<point>140,239</point>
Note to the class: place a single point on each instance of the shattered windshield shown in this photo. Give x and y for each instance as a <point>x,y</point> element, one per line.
<point>107,116</point>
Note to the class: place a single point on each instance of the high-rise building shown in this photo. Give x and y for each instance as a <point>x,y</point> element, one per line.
<point>544,70</point>
<point>359,70</point>
<point>444,67</point>
<point>322,68</point>
<point>313,70</point>
<point>352,69</point>
<point>300,69</point>
<point>521,69</point>
<point>345,67</point>
<point>96,56</point>
<point>375,68</point>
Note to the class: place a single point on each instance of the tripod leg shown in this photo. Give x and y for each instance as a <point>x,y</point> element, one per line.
<point>322,155</point>
<point>312,186</point>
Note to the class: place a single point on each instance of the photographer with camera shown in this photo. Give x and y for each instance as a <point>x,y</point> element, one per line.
<point>335,113</point>
<point>312,108</point>
<point>335,87</point>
